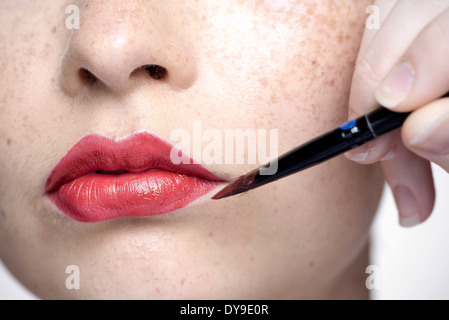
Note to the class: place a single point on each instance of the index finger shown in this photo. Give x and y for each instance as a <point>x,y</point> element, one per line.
<point>423,72</point>
<point>403,24</point>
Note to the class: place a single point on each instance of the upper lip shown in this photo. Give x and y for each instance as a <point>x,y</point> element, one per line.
<point>137,153</point>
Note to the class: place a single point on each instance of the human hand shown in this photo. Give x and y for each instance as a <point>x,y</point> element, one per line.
<point>404,66</point>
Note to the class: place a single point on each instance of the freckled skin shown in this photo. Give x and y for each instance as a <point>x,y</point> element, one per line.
<point>283,65</point>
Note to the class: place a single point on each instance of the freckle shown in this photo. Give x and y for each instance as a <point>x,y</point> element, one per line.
<point>251,258</point>
<point>182,281</point>
<point>311,9</point>
<point>340,38</point>
<point>216,263</point>
<point>263,81</point>
<point>156,278</point>
<point>311,264</point>
<point>313,62</point>
<point>210,234</point>
<point>158,290</point>
<point>8,141</point>
<point>54,30</point>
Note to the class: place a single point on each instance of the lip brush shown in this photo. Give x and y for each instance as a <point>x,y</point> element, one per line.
<point>329,145</point>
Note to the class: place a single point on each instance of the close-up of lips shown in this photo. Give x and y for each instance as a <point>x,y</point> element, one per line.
<point>101,179</point>
<point>224,150</point>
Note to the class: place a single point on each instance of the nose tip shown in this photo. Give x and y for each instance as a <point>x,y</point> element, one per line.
<point>116,50</point>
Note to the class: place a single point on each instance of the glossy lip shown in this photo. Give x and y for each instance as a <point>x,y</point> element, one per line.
<point>101,179</point>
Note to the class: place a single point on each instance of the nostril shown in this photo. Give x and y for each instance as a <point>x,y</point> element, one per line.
<point>87,76</point>
<point>155,71</point>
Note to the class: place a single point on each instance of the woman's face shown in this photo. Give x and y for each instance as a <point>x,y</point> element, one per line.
<point>248,65</point>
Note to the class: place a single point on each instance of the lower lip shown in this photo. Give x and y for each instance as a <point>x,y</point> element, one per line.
<point>100,197</point>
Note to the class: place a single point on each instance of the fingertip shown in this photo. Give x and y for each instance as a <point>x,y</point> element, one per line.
<point>409,222</point>
<point>352,114</point>
<point>411,181</point>
<point>412,209</point>
<point>384,148</point>
<point>425,130</point>
<point>358,155</point>
<point>396,87</point>
<point>385,101</point>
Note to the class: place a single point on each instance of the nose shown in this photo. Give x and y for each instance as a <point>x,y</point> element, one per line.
<point>123,42</point>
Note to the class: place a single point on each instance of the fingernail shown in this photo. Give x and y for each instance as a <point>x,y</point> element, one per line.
<point>390,155</point>
<point>396,86</point>
<point>433,137</point>
<point>409,211</point>
<point>352,115</point>
<point>359,154</point>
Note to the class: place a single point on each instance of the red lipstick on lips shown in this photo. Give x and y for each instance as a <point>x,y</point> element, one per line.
<point>101,179</point>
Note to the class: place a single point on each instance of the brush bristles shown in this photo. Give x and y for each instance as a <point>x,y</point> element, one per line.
<point>240,185</point>
<point>236,187</point>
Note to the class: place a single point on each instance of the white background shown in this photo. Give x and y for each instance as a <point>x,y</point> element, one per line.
<point>413,263</point>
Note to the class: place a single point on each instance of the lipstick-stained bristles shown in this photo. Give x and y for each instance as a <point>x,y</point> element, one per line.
<point>240,185</point>
<point>235,187</point>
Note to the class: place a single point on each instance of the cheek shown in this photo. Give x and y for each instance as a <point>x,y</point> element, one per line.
<point>28,93</point>
<point>28,86</point>
<point>292,72</point>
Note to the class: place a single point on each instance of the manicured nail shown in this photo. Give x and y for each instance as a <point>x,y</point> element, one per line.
<point>390,155</point>
<point>396,86</point>
<point>434,136</point>
<point>359,154</point>
<point>409,210</point>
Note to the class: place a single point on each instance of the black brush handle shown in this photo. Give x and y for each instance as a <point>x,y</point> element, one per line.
<point>348,136</point>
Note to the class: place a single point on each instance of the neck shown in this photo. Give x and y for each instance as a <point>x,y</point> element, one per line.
<point>351,284</point>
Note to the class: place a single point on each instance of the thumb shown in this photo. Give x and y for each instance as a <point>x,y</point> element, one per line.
<point>426,132</point>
